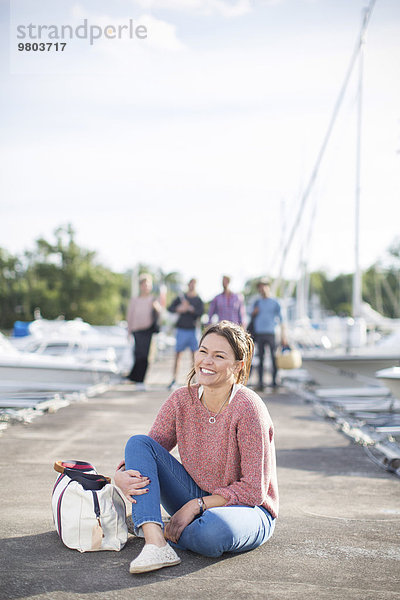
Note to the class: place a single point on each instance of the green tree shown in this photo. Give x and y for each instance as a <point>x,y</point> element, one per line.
<point>12,289</point>
<point>335,294</point>
<point>380,286</point>
<point>381,290</point>
<point>61,278</point>
<point>173,282</point>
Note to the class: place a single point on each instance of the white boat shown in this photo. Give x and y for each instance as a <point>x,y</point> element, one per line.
<point>347,370</point>
<point>353,368</point>
<point>78,339</point>
<point>391,379</point>
<point>36,371</point>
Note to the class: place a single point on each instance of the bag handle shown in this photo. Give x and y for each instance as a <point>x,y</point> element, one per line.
<point>77,471</point>
<point>89,481</point>
<point>79,465</point>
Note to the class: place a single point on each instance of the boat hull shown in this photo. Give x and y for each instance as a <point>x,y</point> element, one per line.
<point>37,374</point>
<point>347,370</point>
<point>391,379</point>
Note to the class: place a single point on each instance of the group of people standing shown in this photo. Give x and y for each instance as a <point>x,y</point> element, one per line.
<point>144,311</point>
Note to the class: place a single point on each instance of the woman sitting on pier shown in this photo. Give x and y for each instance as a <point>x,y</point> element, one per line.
<point>224,495</point>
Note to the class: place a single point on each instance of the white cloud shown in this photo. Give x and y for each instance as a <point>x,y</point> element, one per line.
<point>161,35</point>
<point>199,7</point>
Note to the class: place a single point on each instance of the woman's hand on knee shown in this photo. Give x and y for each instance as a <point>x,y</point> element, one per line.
<point>131,482</point>
<point>180,520</point>
<point>121,466</point>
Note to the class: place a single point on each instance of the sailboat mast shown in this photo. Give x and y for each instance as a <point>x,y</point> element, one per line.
<point>357,277</point>
<point>307,192</point>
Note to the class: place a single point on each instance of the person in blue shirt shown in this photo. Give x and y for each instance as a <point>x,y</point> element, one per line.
<point>266,314</point>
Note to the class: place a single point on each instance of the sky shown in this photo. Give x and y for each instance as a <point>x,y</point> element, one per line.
<point>190,149</point>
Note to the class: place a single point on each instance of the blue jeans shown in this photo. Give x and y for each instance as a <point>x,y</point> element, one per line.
<point>218,530</point>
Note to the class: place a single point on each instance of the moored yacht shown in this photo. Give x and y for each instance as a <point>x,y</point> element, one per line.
<point>391,379</point>
<point>36,370</point>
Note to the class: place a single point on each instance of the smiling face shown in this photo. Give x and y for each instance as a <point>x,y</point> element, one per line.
<point>215,363</point>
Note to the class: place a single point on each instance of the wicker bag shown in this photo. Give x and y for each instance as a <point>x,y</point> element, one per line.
<point>288,358</point>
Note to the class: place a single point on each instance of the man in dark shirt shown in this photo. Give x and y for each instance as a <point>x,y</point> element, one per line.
<point>189,307</point>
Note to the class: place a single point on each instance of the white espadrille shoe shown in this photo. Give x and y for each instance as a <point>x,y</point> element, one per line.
<point>152,558</point>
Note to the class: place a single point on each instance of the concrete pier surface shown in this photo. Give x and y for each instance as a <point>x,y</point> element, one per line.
<point>337,537</point>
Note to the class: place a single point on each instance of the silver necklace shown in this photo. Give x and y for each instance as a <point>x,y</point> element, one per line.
<point>212,418</point>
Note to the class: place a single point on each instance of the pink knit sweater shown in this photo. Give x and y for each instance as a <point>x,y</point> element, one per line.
<point>233,457</point>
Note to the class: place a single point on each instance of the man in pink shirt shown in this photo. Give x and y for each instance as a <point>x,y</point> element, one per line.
<point>228,306</point>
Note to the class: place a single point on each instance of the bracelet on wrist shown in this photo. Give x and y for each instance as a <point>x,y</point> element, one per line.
<point>202,505</point>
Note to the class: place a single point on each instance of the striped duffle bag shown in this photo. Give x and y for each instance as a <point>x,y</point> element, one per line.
<point>89,512</point>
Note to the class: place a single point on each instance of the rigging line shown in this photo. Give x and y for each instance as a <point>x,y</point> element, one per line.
<point>314,173</point>
<point>391,297</point>
<point>275,255</point>
<point>304,253</point>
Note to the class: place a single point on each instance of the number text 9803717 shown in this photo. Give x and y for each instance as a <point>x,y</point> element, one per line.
<point>42,47</point>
